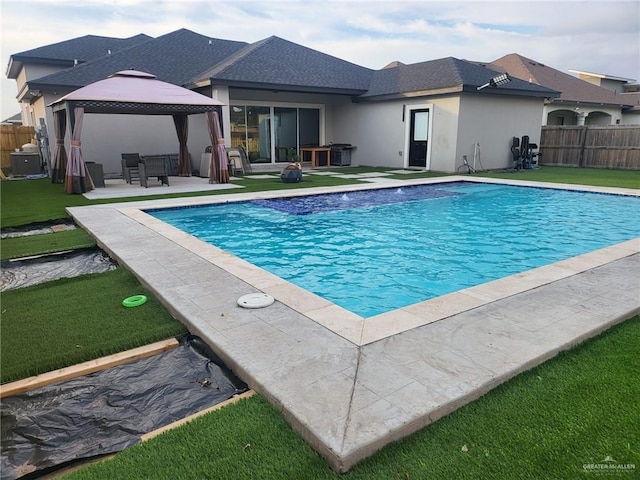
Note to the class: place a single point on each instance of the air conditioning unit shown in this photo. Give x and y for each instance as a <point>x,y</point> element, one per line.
<point>25,163</point>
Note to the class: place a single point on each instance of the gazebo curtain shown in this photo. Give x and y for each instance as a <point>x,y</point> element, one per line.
<point>219,168</point>
<point>60,154</point>
<point>76,178</point>
<point>182,129</point>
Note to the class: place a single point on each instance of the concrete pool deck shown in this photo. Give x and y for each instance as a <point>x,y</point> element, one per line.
<point>350,386</point>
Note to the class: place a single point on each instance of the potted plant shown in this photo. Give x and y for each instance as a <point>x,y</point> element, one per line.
<point>292,155</point>
<point>292,173</point>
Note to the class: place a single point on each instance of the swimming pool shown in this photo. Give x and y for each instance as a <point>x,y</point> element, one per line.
<point>375,251</point>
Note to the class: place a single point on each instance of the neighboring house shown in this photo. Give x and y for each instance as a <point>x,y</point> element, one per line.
<point>279,94</point>
<point>628,89</point>
<point>611,83</point>
<point>581,102</point>
<point>12,120</point>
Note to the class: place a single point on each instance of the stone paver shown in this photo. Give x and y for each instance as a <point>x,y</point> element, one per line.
<point>118,188</point>
<point>349,387</point>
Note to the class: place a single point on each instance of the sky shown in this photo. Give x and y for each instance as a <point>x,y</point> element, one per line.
<point>594,36</point>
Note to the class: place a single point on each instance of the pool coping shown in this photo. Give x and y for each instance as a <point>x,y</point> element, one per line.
<point>362,331</point>
<point>347,387</point>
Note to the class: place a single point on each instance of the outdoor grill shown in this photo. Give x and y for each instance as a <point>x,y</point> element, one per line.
<point>341,154</point>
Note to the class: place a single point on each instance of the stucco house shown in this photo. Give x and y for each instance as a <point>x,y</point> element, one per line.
<point>585,100</point>
<point>278,94</point>
<point>627,88</point>
<point>27,67</point>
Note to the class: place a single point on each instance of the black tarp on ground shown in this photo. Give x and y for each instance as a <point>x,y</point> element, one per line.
<point>24,272</point>
<point>37,228</point>
<point>107,411</point>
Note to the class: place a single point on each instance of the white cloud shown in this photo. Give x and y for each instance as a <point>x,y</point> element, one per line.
<point>599,36</point>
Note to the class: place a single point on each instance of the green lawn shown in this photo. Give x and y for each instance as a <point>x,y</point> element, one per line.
<point>72,320</point>
<point>29,201</point>
<point>18,247</point>
<point>581,176</point>
<point>544,424</point>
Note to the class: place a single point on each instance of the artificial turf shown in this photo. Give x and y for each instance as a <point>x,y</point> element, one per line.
<point>72,320</point>
<point>544,424</point>
<point>45,243</point>
<point>547,423</point>
<point>39,200</point>
<point>29,201</point>
<point>581,176</point>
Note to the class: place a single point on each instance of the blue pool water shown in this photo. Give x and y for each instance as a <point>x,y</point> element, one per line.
<point>374,251</point>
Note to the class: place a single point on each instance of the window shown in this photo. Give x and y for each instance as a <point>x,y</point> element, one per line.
<point>268,134</point>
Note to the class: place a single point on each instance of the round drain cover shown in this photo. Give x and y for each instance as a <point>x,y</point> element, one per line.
<point>255,300</point>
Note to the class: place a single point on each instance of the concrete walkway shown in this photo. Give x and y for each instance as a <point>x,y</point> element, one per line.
<point>350,386</point>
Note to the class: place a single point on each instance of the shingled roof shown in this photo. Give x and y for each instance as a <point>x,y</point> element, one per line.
<point>188,59</point>
<point>76,50</point>
<point>445,75</point>
<point>633,99</point>
<point>174,58</point>
<point>573,90</point>
<point>276,63</point>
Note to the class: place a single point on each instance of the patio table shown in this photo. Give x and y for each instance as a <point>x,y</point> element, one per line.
<point>313,151</point>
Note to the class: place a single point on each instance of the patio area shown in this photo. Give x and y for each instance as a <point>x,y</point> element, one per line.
<point>350,386</point>
<point>118,188</point>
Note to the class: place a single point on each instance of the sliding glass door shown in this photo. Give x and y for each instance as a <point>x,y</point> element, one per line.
<point>272,134</point>
<point>309,121</point>
<point>285,121</point>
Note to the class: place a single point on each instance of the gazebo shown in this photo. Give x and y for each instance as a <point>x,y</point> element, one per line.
<point>132,92</point>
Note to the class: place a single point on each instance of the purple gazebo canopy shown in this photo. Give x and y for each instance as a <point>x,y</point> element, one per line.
<point>133,92</point>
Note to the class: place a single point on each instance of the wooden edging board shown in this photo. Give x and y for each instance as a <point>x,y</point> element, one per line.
<point>92,366</point>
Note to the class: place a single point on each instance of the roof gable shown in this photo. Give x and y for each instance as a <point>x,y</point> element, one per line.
<point>445,75</point>
<point>275,62</point>
<point>573,90</point>
<point>174,58</point>
<point>84,48</point>
<point>75,50</point>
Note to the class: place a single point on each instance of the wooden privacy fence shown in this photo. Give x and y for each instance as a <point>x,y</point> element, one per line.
<point>591,146</point>
<point>12,137</point>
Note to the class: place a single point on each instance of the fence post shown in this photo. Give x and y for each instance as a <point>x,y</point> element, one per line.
<point>583,144</point>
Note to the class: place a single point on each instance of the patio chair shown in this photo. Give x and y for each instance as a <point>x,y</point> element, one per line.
<point>153,167</point>
<point>130,166</point>
<point>96,173</point>
<point>235,162</point>
<point>240,160</point>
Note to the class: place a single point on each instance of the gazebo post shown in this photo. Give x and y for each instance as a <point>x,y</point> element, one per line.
<point>181,121</point>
